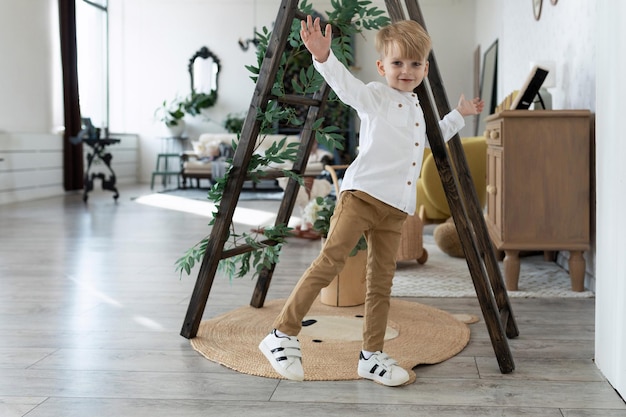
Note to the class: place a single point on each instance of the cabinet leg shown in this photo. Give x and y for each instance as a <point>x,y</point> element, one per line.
<point>577,270</point>
<point>511,269</point>
<point>549,255</point>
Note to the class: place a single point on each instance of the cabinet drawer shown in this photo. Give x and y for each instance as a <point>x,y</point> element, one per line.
<point>494,194</point>
<point>493,133</point>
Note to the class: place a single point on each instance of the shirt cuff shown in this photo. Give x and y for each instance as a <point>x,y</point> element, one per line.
<point>323,67</point>
<point>456,119</point>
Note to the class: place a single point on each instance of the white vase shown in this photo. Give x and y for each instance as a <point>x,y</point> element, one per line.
<point>177,130</point>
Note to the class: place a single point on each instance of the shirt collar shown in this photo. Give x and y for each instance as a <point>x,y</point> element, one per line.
<point>412,97</point>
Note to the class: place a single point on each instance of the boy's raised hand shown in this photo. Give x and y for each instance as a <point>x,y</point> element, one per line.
<point>470,107</point>
<point>316,42</point>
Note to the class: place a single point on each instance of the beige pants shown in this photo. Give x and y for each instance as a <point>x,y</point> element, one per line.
<point>356,213</point>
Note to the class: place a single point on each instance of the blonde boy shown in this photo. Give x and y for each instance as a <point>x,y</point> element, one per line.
<point>377,192</point>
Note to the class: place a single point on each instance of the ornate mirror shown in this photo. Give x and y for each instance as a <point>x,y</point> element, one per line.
<point>204,72</point>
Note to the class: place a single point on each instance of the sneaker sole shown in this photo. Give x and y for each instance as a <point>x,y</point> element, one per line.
<point>382,381</point>
<point>267,352</point>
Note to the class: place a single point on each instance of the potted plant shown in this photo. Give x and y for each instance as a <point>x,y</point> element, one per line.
<point>171,114</point>
<point>196,102</point>
<point>348,287</point>
<point>350,17</point>
<point>318,213</point>
<point>234,122</point>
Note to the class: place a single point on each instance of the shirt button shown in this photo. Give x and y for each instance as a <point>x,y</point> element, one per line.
<point>417,124</point>
<point>413,163</point>
<point>417,144</point>
<point>408,183</point>
<point>400,105</point>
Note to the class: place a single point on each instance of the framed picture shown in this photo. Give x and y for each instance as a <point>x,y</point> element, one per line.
<point>529,90</point>
<point>488,85</point>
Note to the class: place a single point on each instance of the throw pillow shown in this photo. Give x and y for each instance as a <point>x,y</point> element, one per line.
<point>206,150</point>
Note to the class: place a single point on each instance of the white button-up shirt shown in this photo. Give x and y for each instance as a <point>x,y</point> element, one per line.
<point>392,136</point>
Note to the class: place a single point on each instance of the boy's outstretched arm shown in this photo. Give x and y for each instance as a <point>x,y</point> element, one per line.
<point>316,42</point>
<point>470,107</point>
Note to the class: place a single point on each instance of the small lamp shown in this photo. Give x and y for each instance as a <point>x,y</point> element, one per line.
<point>544,98</point>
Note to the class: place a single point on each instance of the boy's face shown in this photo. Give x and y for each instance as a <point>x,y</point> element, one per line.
<point>403,74</point>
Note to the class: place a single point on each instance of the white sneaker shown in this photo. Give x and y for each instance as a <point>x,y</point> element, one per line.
<point>382,369</point>
<point>284,355</point>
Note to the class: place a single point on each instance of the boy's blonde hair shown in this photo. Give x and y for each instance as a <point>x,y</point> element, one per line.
<point>412,40</point>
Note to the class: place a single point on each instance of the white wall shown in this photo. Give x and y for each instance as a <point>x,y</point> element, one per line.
<point>30,153</point>
<point>150,46</point>
<point>564,34</point>
<point>611,180</point>
<point>31,109</point>
<point>489,24</point>
<point>149,57</point>
<point>451,25</point>
<point>26,84</point>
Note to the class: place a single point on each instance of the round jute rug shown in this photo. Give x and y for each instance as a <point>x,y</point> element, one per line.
<point>331,338</point>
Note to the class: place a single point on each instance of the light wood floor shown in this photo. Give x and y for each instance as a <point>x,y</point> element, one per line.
<point>91,310</point>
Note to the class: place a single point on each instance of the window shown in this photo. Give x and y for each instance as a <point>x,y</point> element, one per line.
<point>93,60</point>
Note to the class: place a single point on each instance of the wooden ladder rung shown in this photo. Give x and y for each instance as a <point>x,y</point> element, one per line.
<point>241,249</point>
<point>298,100</point>
<point>273,174</point>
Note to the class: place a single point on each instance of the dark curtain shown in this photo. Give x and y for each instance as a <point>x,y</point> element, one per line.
<point>72,154</point>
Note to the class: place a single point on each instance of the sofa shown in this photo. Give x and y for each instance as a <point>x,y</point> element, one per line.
<point>432,204</point>
<point>208,158</point>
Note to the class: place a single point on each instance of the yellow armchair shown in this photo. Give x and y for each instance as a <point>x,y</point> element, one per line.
<point>432,204</point>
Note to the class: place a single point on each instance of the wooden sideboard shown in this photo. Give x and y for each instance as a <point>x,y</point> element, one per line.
<point>538,186</point>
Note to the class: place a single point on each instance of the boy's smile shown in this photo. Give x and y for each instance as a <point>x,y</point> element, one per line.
<point>403,74</point>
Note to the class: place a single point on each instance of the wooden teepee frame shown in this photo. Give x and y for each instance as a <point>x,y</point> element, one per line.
<point>457,182</point>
